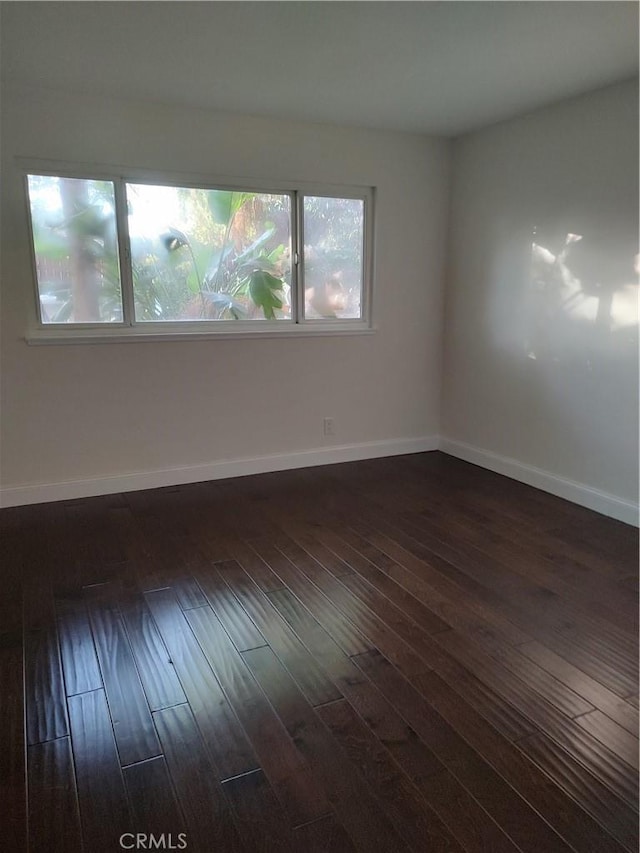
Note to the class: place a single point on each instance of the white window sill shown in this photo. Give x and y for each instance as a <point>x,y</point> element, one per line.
<point>66,336</point>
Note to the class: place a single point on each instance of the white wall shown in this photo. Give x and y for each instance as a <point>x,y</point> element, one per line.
<point>544,372</point>
<point>86,412</point>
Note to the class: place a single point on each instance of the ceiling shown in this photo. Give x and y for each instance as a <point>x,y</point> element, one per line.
<point>429,67</point>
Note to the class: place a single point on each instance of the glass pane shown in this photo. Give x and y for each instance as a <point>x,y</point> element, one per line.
<point>333,257</point>
<point>76,249</point>
<point>202,254</point>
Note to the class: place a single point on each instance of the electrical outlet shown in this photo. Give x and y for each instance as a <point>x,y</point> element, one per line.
<point>328,426</point>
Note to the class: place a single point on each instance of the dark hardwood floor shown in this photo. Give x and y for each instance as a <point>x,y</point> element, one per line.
<point>400,654</point>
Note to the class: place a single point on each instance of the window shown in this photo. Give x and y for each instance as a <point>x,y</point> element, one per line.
<point>333,257</point>
<point>128,256</point>
<point>75,244</point>
<point>199,254</point>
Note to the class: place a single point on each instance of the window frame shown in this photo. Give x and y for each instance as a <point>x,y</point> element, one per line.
<point>130,329</point>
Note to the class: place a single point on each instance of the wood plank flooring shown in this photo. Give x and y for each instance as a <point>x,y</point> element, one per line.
<point>397,654</point>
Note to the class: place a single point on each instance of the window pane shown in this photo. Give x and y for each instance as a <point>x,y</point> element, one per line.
<point>333,257</point>
<point>76,249</point>
<point>202,254</point>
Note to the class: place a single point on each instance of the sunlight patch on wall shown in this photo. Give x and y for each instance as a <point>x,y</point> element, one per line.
<point>582,286</point>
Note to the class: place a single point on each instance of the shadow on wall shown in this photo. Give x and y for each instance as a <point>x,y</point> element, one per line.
<point>583,293</point>
<point>552,361</point>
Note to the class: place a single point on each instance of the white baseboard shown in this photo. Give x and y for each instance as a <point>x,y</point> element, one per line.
<point>578,493</point>
<point>47,492</point>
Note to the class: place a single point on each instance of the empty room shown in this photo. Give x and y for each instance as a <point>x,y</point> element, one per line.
<point>319,421</point>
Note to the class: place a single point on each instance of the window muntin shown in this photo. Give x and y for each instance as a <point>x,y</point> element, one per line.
<point>75,243</point>
<point>333,230</point>
<point>168,283</point>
